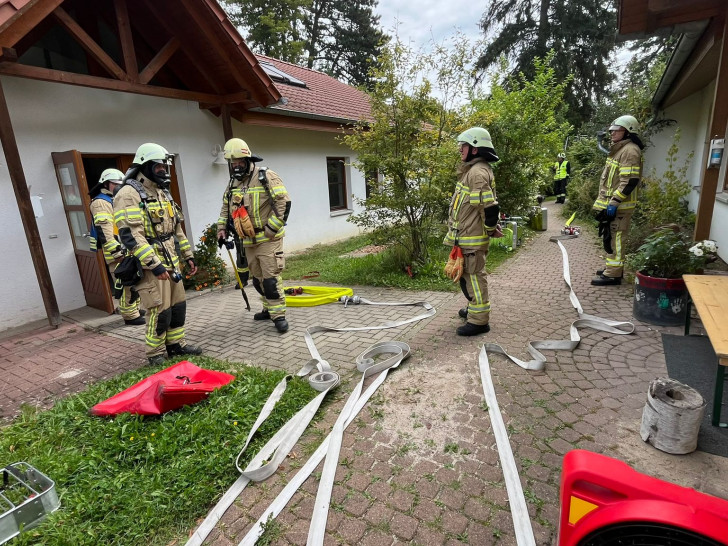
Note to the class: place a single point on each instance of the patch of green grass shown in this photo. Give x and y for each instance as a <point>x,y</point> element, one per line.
<point>451,447</point>
<point>272,531</point>
<point>144,480</point>
<point>376,269</point>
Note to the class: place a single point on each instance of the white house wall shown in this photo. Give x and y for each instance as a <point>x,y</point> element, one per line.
<point>692,117</point>
<point>50,117</point>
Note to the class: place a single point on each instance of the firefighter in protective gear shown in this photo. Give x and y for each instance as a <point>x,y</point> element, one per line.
<point>472,221</point>
<point>617,197</point>
<point>149,221</point>
<point>562,175</point>
<point>103,238</point>
<point>255,206</point>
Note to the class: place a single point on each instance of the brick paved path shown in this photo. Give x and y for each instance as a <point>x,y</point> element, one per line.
<point>420,463</point>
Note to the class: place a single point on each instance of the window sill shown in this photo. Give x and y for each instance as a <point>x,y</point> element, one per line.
<point>341,212</point>
<point>722,197</point>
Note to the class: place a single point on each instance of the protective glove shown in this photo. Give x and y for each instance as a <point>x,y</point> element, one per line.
<point>220,242</point>
<point>242,223</point>
<point>611,212</point>
<point>497,233</point>
<point>454,266</point>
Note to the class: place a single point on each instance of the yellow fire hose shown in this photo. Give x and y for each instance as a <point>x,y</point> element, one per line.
<point>309,296</point>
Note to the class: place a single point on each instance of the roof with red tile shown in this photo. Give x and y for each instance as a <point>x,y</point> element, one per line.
<point>323,95</point>
<point>9,7</point>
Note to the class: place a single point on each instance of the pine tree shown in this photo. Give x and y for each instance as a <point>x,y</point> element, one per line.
<point>339,37</point>
<point>580,32</point>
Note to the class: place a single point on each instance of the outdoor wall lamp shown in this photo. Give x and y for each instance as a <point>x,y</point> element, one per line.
<point>219,155</point>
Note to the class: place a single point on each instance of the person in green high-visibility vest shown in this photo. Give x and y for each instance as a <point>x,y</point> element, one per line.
<point>562,174</point>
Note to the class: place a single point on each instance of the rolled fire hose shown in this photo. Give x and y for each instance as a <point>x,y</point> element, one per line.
<point>284,440</point>
<point>584,321</point>
<point>317,295</point>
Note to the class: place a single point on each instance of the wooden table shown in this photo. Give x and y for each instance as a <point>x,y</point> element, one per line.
<point>709,294</point>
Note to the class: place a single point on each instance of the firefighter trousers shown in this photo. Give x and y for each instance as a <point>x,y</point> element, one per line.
<point>266,262</point>
<point>619,227</point>
<point>166,312</point>
<point>128,300</point>
<point>474,284</point>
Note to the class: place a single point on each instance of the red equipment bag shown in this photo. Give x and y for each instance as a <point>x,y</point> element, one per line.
<point>604,502</point>
<point>177,386</point>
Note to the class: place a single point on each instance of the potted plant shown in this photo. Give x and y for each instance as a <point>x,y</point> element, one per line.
<point>660,296</point>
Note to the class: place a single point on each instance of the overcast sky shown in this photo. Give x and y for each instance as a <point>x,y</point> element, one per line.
<point>421,21</point>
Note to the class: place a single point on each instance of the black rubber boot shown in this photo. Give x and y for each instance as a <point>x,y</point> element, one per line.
<point>135,322</point>
<point>177,350</point>
<point>263,315</point>
<point>603,280</point>
<point>142,312</point>
<point>469,329</point>
<point>156,360</point>
<point>463,313</point>
<point>281,324</point>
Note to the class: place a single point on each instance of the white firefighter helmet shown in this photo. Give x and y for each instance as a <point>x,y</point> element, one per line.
<point>476,137</point>
<point>152,152</point>
<point>111,175</point>
<point>627,122</point>
<point>562,155</point>
<point>236,148</point>
<point>147,157</point>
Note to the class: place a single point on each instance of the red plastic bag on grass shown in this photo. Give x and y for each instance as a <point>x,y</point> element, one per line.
<point>179,385</point>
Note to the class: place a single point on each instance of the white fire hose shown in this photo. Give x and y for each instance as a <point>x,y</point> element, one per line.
<point>267,460</point>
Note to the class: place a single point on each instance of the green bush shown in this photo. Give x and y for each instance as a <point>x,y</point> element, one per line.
<point>670,254</point>
<point>211,269</point>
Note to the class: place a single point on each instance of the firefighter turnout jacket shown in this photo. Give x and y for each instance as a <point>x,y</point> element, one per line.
<point>103,236</point>
<point>148,224</point>
<point>474,208</point>
<point>264,196</point>
<point>624,163</point>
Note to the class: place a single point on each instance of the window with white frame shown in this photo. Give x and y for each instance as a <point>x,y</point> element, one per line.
<point>336,172</point>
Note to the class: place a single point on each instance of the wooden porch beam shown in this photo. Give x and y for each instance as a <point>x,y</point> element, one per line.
<point>718,125</point>
<point>191,55</point>
<point>88,44</point>
<point>25,207</point>
<point>25,20</point>
<point>213,40</point>
<point>126,39</point>
<point>45,74</point>
<point>227,124</point>
<point>159,60</point>
<point>666,13</point>
<point>8,55</point>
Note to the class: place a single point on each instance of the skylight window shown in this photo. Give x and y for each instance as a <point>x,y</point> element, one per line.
<point>278,75</point>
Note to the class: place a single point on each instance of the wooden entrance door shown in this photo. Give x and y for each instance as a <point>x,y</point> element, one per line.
<point>91,266</point>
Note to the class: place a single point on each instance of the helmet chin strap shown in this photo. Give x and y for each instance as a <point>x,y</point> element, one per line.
<point>470,155</point>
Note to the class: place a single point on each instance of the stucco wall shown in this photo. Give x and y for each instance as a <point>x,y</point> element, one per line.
<point>49,117</point>
<point>692,116</point>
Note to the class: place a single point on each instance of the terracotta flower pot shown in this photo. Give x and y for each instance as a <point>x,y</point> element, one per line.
<point>659,301</point>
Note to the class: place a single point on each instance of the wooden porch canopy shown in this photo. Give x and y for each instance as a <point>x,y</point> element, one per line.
<point>706,61</point>
<point>178,49</point>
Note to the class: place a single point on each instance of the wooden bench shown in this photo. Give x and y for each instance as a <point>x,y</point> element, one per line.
<point>709,294</point>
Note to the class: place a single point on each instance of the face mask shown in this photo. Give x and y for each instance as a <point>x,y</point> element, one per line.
<point>160,177</point>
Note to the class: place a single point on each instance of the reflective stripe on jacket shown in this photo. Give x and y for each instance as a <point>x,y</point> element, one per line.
<point>264,210</point>
<point>624,162</point>
<point>104,233</point>
<point>474,192</point>
<point>154,223</point>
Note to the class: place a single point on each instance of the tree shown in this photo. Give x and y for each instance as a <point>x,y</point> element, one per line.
<point>410,143</point>
<point>339,37</point>
<point>273,26</point>
<point>343,38</point>
<point>580,32</point>
<point>525,119</point>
